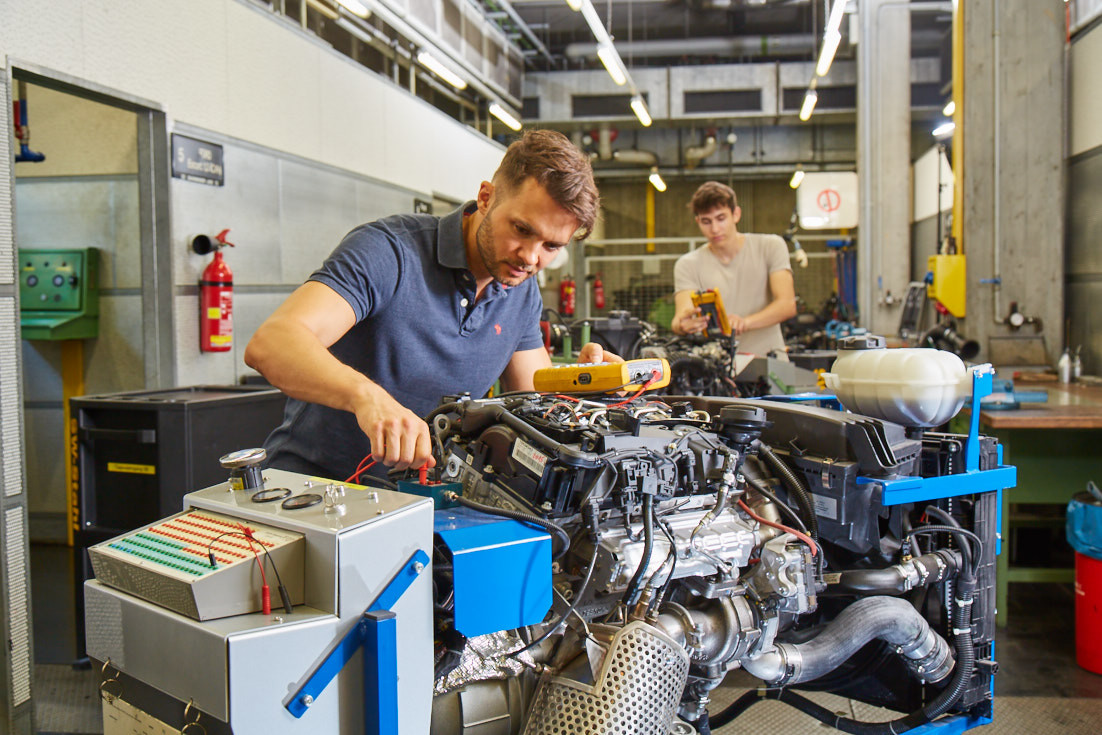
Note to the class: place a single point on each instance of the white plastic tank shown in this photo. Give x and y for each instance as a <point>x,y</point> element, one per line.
<point>909,386</point>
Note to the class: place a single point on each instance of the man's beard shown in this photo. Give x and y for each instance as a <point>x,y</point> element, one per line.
<point>484,238</point>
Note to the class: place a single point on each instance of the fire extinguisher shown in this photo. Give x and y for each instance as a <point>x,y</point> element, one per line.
<point>215,296</point>
<point>566,296</point>
<point>598,292</point>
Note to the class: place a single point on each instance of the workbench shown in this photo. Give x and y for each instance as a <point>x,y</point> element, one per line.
<point>1057,447</point>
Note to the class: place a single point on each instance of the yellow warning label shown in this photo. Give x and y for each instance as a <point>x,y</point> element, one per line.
<point>221,339</point>
<point>214,312</point>
<point>133,469</point>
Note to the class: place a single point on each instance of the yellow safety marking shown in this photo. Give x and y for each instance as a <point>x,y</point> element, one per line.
<point>132,469</point>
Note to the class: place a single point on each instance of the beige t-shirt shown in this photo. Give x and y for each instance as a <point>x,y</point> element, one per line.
<point>743,284</point>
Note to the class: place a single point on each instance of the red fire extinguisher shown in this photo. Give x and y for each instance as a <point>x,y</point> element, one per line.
<point>566,296</point>
<point>216,300</point>
<point>598,292</point>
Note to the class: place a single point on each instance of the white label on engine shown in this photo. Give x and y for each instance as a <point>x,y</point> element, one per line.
<point>832,577</point>
<point>825,507</point>
<point>529,456</point>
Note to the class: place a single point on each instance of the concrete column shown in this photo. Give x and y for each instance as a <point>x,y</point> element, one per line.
<point>883,161</point>
<point>1014,147</point>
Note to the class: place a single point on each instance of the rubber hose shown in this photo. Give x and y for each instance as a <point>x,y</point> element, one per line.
<point>893,580</point>
<point>782,507</point>
<point>736,708</point>
<point>949,696</point>
<point>803,498</point>
<point>886,618</point>
<point>518,515</point>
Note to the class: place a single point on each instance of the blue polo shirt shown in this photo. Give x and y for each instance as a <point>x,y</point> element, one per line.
<point>419,332</point>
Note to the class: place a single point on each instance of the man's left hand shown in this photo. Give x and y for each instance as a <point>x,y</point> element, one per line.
<point>592,352</point>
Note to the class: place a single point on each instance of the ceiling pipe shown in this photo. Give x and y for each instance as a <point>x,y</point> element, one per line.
<point>632,156</point>
<point>742,46</point>
<point>754,46</point>
<point>524,28</point>
<point>604,143</point>
<point>694,154</point>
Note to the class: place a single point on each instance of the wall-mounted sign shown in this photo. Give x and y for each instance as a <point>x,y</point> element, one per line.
<point>420,206</point>
<point>197,160</point>
<point>827,201</point>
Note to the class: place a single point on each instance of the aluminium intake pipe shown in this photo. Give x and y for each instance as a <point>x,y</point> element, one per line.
<point>889,619</point>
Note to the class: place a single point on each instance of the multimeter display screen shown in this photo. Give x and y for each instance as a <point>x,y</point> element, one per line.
<point>711,305</point>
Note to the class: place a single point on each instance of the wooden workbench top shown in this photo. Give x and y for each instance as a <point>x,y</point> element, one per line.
<point>1069,407</point>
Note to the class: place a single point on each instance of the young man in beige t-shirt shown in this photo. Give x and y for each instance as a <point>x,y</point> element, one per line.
<point>750,271</point>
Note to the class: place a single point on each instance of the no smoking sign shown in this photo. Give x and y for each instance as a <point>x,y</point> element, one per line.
<point>827,201</point>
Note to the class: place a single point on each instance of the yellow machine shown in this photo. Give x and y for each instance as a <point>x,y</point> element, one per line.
<point>604,377</point>
<point>711,305</point>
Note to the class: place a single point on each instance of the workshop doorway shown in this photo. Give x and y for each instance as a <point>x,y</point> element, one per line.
<point>93,180</point>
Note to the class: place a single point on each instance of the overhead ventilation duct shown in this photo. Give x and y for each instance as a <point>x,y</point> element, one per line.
<point>694,154</point>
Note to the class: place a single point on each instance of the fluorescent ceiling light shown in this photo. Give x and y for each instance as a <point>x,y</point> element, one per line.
<point>809,104</point>
<point>797,178</point>
<point>949,109</point>
<point>639,107</point>
<point>944,130</point>
<point>612,62</point>
<point>834,22</point>
<point>656,180</point>
<point>575,5</point>
<point>826,56</point>
<point>355,7</point>
<point>503,115</point>
<point>430,62</point>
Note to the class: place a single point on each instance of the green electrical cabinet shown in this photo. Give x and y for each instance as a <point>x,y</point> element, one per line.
<point>59,293</point>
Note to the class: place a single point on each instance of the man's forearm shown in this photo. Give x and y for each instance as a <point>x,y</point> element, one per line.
<point>292,359</point>
<point>774,313</point>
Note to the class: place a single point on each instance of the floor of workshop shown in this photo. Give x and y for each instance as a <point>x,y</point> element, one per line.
<point>1039,688</point>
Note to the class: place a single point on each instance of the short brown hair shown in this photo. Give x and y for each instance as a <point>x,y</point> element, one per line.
<point>559,167</point>
<point>712,194</point>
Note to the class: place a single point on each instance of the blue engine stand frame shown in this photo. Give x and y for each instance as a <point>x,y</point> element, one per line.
<point>376,633</point>
<point>972,480</point>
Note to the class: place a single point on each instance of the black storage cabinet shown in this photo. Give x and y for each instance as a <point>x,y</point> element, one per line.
<point>139,453</point>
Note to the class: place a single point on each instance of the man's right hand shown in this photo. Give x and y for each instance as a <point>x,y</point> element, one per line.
<point>399,437</point>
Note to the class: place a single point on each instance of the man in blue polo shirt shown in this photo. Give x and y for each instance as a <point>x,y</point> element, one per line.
<point>413,307</point>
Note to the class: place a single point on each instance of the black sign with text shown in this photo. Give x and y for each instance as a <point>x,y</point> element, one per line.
<point>197,160</point>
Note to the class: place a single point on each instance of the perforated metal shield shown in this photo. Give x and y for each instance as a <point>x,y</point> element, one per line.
<point>636,691</point>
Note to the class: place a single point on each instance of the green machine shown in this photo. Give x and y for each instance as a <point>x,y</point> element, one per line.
<point>59,293</point>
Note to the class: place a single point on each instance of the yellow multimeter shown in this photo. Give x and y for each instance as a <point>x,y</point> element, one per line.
<point>710,304</point>
<point>602,377</point>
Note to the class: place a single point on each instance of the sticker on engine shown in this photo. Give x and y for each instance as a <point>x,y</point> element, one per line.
<point>825,507</point>
<point>529,456</point>
<point>832,577</point>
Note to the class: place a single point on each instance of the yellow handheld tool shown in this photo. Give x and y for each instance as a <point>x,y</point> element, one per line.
<point>604,377</point>
<point>711,304</point>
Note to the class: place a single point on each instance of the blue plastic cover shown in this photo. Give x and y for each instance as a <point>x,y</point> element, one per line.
<point>501,571</point>
<point>1084,525</point>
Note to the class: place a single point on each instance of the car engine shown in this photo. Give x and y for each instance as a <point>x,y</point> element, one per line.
<point>696,536</point>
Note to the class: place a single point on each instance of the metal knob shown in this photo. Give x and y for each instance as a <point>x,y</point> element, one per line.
<point>333,496</point>
<point>244,467</point>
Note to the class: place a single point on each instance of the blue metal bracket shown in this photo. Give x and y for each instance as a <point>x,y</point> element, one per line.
<point>972,480</point>
<point>376,632</point>
<point>951,725</point>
